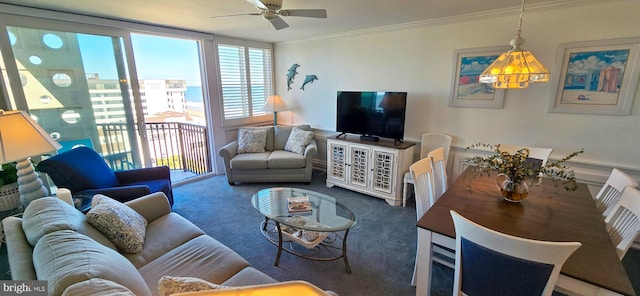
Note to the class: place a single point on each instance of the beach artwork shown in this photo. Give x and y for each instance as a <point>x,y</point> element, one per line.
<point>594,77</point>
<point>467,90</point>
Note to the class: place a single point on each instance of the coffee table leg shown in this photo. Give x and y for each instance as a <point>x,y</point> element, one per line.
<point>264,225</point>
<point>344,251</point>
<point>279,244</point>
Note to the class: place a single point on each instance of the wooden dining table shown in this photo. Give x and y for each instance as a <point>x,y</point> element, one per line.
<point>548,213</point>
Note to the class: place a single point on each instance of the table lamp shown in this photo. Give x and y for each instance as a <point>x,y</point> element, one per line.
<point>275,104</point>
<point>20,138</point>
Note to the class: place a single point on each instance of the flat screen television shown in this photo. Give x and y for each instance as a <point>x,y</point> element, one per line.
<point>371,114</point>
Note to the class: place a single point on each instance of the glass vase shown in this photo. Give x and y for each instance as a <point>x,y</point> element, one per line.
<point>510,190</point>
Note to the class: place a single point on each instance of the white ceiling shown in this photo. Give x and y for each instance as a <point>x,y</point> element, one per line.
<point>344,16</point>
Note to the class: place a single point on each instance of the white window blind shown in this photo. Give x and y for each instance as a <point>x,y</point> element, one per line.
<point>246,80</point>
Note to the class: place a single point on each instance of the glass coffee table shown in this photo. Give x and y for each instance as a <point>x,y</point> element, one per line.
<point>317,233</point>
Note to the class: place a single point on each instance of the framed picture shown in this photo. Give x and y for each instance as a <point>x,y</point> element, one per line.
<point>596,77</point>
<point>466,90</point>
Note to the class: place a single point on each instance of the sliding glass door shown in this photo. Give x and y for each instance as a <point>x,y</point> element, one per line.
<point>76,86</point>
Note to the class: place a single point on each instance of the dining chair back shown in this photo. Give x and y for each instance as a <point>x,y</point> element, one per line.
<point>623,223</point>
<point>439,167</point>
<point>429,142</point>
<point>424,184</point>
<point>610,193</point>
<point>489,262</point>
<point>534,152</point>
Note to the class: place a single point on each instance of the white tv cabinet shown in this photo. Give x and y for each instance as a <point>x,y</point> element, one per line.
<point>373,168</point>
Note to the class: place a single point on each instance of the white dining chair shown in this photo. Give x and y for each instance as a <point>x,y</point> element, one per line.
<point>623,222</point>
<point>489,262</point>
<point>429,142</point>
<point>439,167</point>
<point>424,185</point>
<point>610,193</point>
<point>534,152</point>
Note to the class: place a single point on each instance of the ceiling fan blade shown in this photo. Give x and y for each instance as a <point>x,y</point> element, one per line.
<point>239,14</point>
<point>257,3</point>
<point>319,13</point>
<point>278,23</point>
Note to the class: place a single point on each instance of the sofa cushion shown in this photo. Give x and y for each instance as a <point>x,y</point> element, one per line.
<point>298,140</point>
<point>163,235</point>
<point>251,140</point>
<point>248,276</point>
<point>49,214</point>
<point>281,159</point>
<point>169,285</point>
<point>66,257</point>
<point>202,257</point>
<point>97,287</point>
<point>250,161</point>
<point>118,222</point>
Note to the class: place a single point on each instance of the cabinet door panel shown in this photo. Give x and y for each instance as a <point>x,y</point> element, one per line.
<point>384,164</point>
<point>359,161</point>
<point>337,162</point>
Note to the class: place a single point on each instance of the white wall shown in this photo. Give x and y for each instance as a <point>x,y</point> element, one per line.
<point>419,60</point>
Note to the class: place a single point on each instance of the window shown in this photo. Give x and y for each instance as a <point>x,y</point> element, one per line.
<point>246,76</point>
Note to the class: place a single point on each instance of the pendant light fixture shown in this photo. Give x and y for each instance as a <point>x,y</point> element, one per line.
<point>517,67</point>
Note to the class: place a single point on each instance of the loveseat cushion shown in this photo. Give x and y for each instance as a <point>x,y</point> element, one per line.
<point>66,257</point>
<point>251,140</point>
<point>282,133</point>
<point>250,161</point>
<point>269,132</point>
<point>202,257</point>
<point>298,140</point>
<point>281,159</point>
<point>97,287</point>
<point>50,214</point>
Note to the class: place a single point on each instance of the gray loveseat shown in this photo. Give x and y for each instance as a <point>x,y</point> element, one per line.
<point>275,164</point>
<point>55,242</point>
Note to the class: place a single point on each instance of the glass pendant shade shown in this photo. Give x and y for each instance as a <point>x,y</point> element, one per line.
<point>515,69</point>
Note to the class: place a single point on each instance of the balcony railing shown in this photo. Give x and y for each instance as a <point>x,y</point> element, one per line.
<point>174,144</point>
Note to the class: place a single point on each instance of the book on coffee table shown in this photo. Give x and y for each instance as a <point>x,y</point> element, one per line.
<point>299,204</point>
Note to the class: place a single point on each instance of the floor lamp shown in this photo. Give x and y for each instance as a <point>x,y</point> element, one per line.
<point>20,138</point>
<point>275,104</point>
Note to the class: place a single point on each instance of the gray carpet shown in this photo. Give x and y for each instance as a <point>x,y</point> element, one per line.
<point>381,246</point>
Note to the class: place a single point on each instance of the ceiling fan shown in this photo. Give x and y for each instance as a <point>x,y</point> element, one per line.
<point>272,11</point>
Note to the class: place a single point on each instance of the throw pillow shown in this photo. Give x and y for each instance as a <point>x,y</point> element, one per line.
<point>118,222</point>
<point>298,140</point>
<point>251,140</point>
<point>169,285</point>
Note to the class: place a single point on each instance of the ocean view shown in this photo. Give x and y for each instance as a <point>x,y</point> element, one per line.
<point>193,94</point>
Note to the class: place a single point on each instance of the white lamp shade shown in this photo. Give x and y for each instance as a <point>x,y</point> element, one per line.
<point>21,137</point>
<point>275,104</point>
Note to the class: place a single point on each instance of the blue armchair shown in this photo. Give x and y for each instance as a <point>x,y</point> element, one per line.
<point>83,171</point>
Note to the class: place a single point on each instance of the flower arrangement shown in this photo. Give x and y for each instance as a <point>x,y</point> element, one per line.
<point>518,167</point>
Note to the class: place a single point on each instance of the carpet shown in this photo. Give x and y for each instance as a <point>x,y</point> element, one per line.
<point>381,246</point>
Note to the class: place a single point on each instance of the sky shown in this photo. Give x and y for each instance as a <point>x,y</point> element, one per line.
<point>155,57</point>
